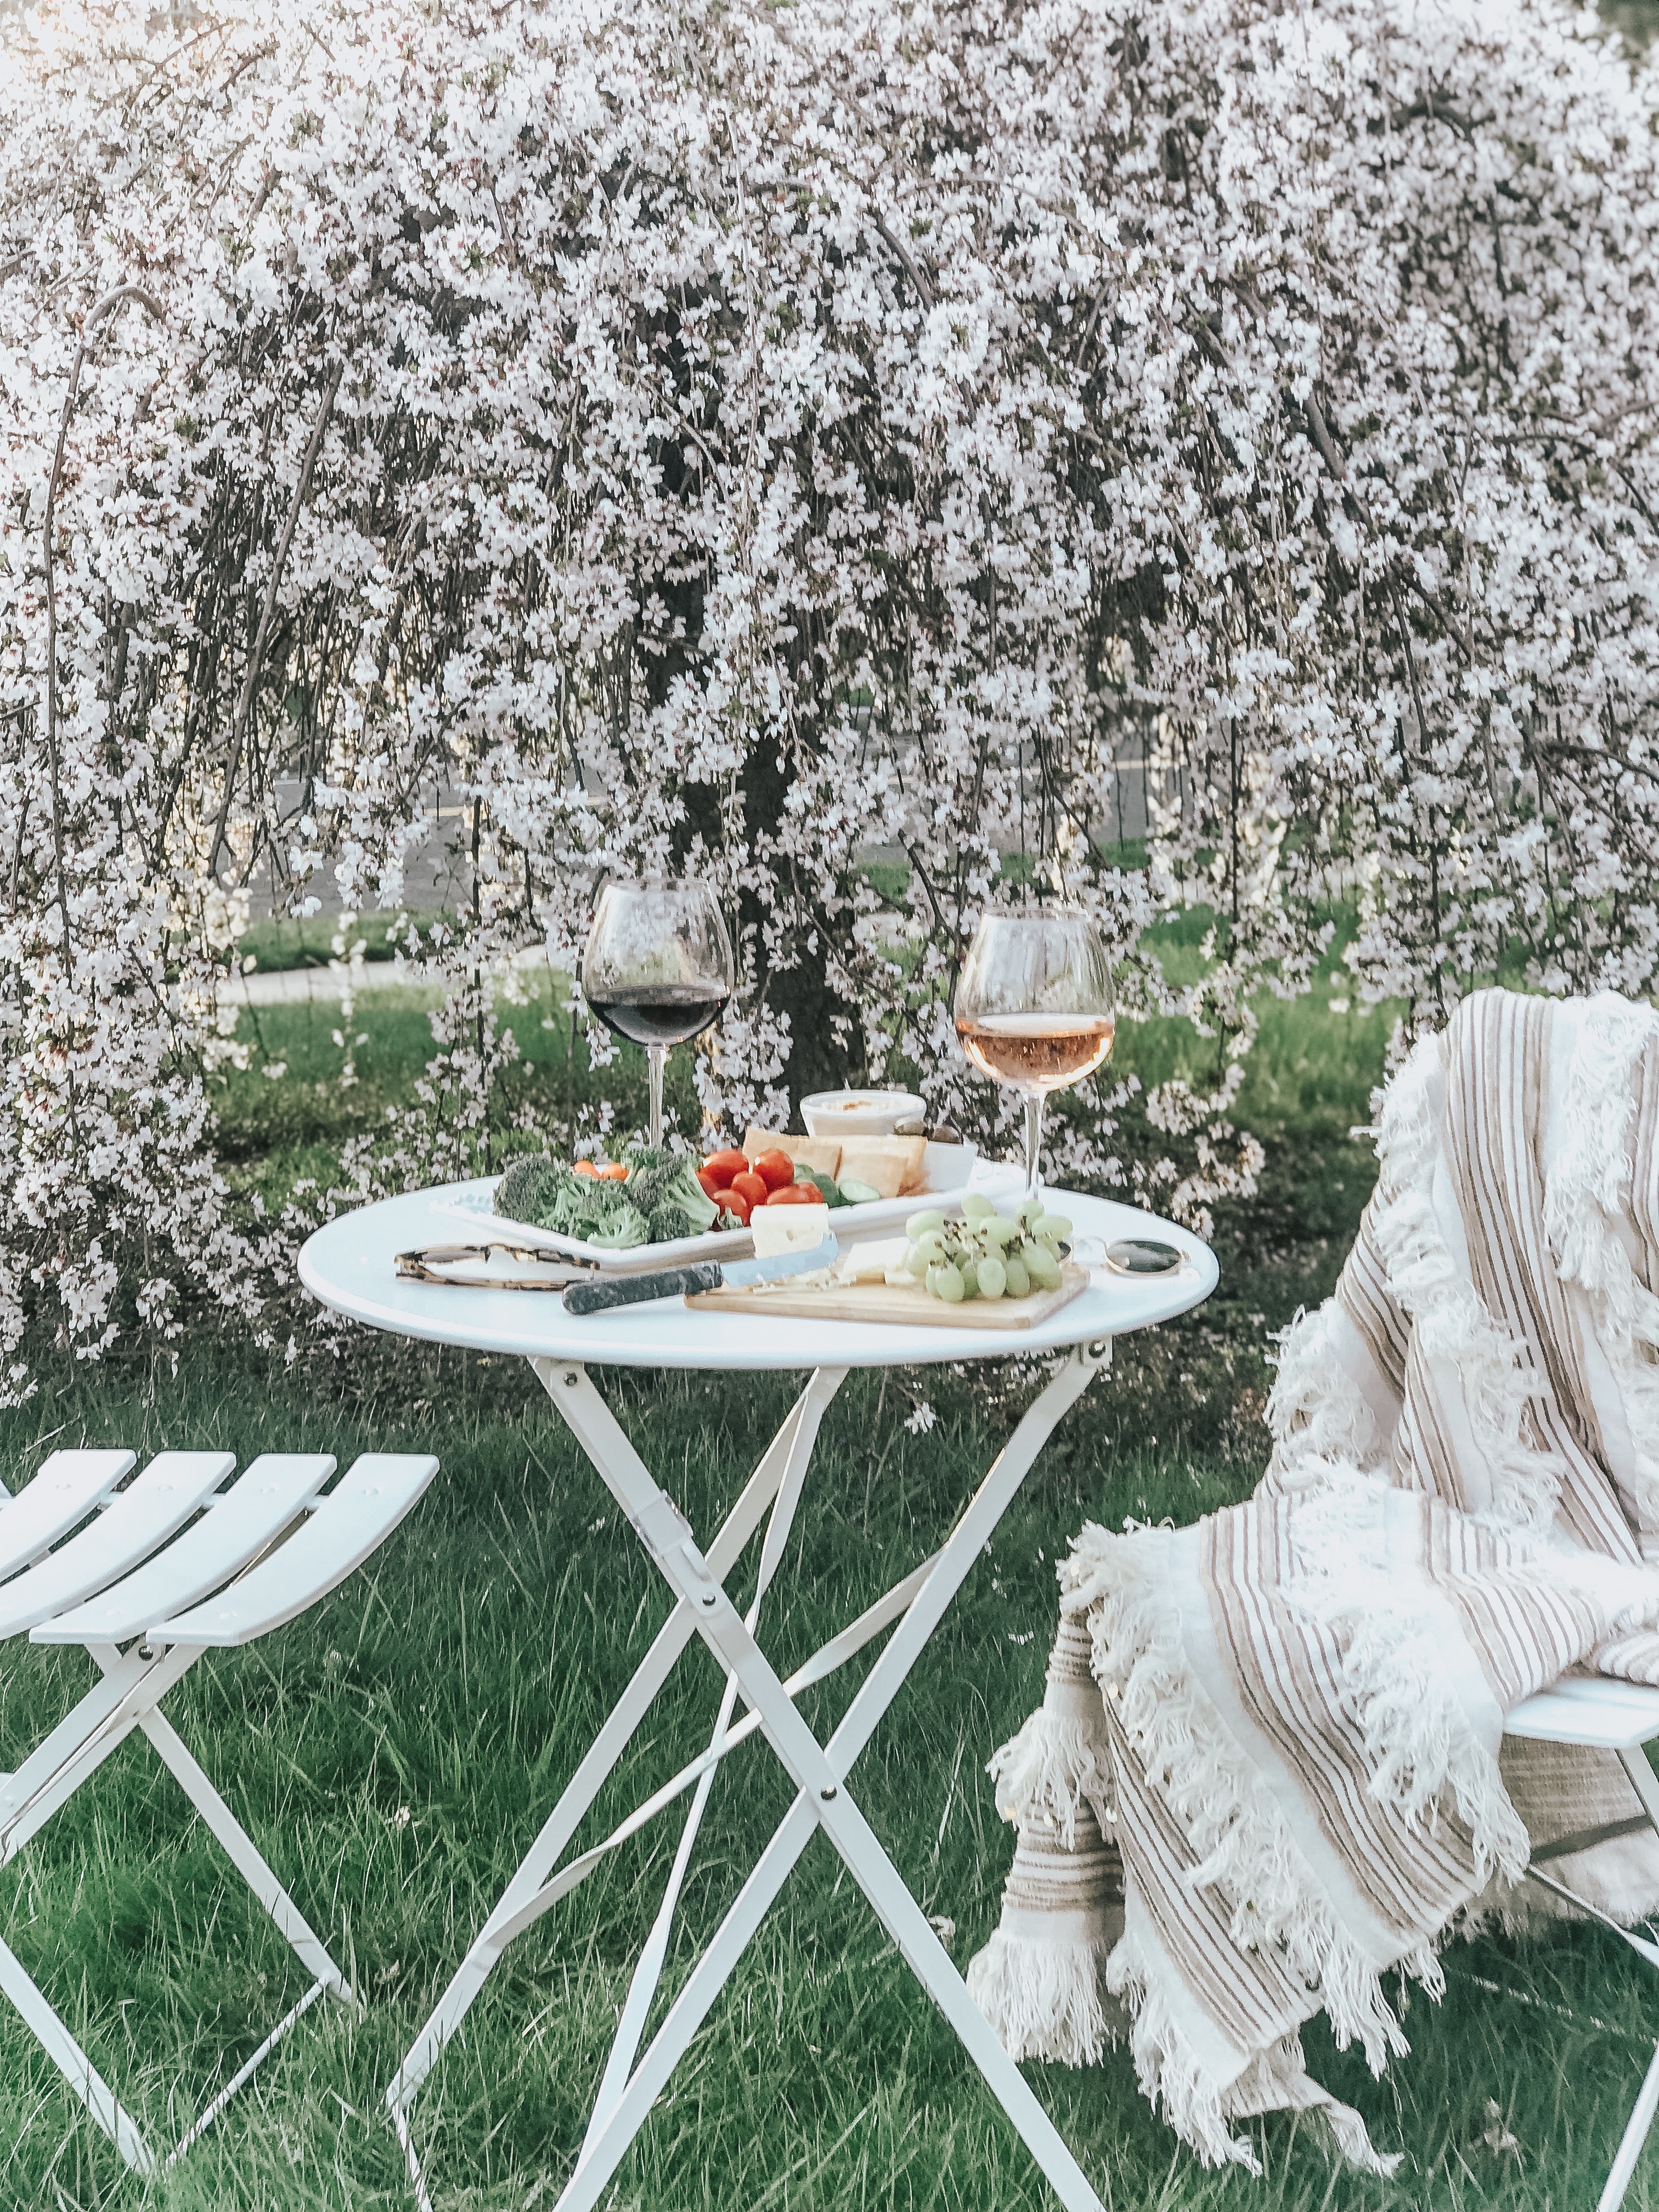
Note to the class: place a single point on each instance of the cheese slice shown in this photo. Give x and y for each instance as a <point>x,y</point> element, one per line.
<point>780,1229</point>
<point>874,1260</point>
<point>821,1152</point>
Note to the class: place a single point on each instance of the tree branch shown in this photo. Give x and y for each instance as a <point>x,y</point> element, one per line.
<point>106,305</point>
<point>925,291</point>
<point>245,700</point>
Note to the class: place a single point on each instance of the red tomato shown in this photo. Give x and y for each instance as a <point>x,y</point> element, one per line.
<point>752,1186</point>
<point>734,1202</point>
<point>711,1183</point>
<point>797,1193</point>
<point>775,1170</point>
<point>724,1165</point>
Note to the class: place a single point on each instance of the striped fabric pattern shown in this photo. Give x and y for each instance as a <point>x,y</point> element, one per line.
<point>1291,1729</point>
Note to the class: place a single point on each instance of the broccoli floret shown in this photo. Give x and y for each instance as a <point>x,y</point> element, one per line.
<point>661,1201</point>
<point>672,1187</point>
<point>605,1212</point>
<point>566,1213</point>
<point>530,1190</point>
<point>646,1159</point>
<point>623,1226</point>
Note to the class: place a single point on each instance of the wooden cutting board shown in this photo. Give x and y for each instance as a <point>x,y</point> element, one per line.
<point>887,1303</point>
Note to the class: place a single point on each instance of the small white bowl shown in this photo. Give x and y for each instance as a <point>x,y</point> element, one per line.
<point>945,1167</point>
<point>858,1113</point>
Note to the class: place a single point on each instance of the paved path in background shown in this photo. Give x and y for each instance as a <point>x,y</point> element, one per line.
<point>325,987</point>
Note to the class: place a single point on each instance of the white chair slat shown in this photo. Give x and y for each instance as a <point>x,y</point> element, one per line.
<point>355,1517</point>
<point>145,1513</point>
<point>1595,1713</point>
<point>64,1492</point>
<point>250,1514</point>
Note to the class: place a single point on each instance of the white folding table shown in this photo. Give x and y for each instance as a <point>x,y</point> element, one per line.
<point>349,1267</point>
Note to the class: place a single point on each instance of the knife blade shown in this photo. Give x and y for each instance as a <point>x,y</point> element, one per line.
<point>742,1273</point>
<point>702,1275</point>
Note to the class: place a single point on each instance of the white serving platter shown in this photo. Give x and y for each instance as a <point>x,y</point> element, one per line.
<point>948,1171</point>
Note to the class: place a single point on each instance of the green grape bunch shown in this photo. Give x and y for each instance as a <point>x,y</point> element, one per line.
<point>987,1254</point>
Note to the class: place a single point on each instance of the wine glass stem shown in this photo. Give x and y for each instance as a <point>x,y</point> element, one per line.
<point>1033,1142</point>
<point>656,1056</point>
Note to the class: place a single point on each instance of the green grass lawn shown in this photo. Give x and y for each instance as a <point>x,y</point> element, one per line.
<point>394,1751</point>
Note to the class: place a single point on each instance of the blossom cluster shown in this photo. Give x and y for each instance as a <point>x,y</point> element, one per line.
<point>741,438</point>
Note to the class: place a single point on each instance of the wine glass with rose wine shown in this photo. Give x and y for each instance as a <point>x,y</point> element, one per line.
<point>658,969</point>
<point>1034,1008</point>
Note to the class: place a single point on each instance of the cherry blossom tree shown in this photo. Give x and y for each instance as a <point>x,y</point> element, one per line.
<point>741,437</point>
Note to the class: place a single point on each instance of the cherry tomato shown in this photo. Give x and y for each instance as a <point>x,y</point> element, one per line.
<point>588,1167</point>
<point>775,1170</point>
<point>751,1186</point>
<point>724,1165</point>
<point>797,1193</point>
<point>613,1171</point>
<point>734,1202</point>
<point>712,1184</point>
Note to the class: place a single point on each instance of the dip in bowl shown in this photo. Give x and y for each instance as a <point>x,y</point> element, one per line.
<point>858,1113</point>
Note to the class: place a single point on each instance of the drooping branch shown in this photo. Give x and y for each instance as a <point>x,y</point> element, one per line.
<point>147,300</point>
<point>273,584</point>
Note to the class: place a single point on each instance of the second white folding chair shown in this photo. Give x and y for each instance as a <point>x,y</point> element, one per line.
<point>83,1560</point>
<point>1593,1713</point>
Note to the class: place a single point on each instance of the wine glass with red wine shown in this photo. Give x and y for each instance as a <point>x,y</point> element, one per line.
<point>1034,1008</point>
<point>658,969</point>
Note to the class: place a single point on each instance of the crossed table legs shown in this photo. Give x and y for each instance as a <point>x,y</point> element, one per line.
<point>819,1771</point>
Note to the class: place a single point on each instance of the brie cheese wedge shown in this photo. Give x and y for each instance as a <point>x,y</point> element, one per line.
<point>874,1261</point>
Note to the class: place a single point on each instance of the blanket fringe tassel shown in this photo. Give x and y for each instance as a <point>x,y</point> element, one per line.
<point>1048,1999</point>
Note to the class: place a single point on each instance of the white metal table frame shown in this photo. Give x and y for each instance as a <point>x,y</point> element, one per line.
<point>697,1578</point>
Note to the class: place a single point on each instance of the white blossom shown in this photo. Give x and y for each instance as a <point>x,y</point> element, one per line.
<point>744,437</point>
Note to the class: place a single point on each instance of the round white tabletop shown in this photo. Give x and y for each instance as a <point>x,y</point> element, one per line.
<point>349,1267</point>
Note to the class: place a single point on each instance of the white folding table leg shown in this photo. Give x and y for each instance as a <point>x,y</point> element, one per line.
<point>823,1662</point>
<point>73,2063</point>
<point>821,1768</point>
<point>585,1785</point>
<point>648,1973</point>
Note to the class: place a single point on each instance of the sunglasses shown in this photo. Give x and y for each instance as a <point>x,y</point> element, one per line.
<point>472,1266</point>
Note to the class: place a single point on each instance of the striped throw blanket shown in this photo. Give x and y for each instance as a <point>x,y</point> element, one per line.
<point>1268,1766</point>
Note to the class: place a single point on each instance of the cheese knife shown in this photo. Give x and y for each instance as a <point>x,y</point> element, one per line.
<point>603,1296</point>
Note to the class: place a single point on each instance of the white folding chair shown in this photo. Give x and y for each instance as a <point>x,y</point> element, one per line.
<point>84,1560</point>
<point>1595,1713</point>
